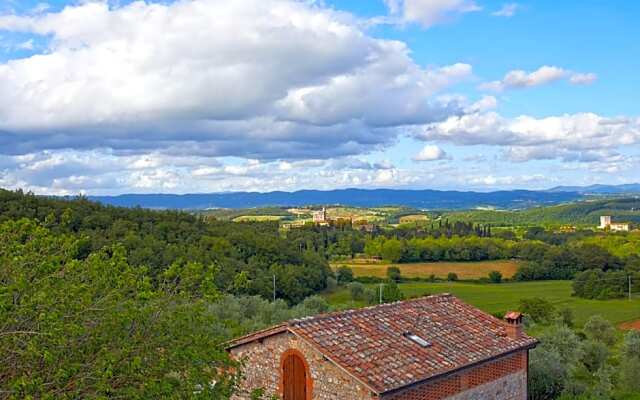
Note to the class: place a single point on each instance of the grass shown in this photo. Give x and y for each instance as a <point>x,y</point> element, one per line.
<point>498,298</point>
<point>464,270</point>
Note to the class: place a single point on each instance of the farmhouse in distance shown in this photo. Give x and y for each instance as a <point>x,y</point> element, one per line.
<point>435,347</point>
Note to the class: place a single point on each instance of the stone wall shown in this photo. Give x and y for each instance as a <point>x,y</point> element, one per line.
<point>502,379</point>
<point>262,370</point>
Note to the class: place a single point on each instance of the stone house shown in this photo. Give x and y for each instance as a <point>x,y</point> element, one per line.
<point>435,347</point>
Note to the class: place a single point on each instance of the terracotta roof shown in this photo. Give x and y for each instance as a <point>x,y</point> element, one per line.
<point>373,344</point>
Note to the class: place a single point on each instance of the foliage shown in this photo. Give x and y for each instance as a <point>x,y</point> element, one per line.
<point>344,275</point>
<point>596,284</point>
<point>452,276</point>
<point>393,273</point>
<point>594,354</point>
<point>357,290</point>
<point>538,309</point>
<point>495,277</point>
<point>599,329</point>
<point>630,363</point>
<point>391,292</point>
<point>80,326</point>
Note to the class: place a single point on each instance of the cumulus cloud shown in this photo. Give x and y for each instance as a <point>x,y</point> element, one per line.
<point>508,10</point>
<point>431,153</point>
<point>571,137</point>
<point>429,12</point>
<point>518,79</point>
<point>260,79</point>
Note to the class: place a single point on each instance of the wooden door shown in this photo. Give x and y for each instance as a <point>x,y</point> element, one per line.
<point>294,377</point>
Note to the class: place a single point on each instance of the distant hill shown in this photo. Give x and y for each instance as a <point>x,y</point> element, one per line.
<point>578,213</point>
<point>599,189</point>
<point>425,199</point>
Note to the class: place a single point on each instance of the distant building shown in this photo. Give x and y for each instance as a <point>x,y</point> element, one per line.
<point>320,217</point>
<point>606,223</point>
<point>435,347</point>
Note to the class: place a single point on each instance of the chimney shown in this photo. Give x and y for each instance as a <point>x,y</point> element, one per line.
<point>513,321</point>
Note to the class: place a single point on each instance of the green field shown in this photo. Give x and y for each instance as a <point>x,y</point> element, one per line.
<point>257,218</point>
<point>495,298</point>
<point>464,270</point>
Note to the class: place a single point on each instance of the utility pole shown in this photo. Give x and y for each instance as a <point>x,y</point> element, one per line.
<point>274,287</point>
<point>381,285</point>
<point>629,287</point>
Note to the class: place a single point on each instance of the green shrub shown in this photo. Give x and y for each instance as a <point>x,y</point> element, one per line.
<point>538,309</point>
<point>357,290</point>
<point>344,275</point>
<point>452,276</point>
<point>600,329</point>
<point>393,273</point>
<point>495,277</point>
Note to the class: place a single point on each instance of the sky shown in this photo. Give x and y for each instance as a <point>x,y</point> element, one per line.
<point>195,96</point>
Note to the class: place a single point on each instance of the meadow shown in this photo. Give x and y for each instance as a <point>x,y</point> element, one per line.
<point>464,270</point>
<point>498,298</point>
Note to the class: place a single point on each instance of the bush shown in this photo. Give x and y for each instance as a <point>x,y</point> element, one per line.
<point>452,276</point>
<point>594,354</point>
<point>600,329</point>
<point>357,290</point>
<point>495,277</point>
<point>371,296</point>
<point>596,284</point>
<point>566,316</point>
<point>630,364</point>
<point>538,309</point>
<point>316,304</point>
<point>391,293</point>
<point>332,283</point>
<point>344,275</point>
<point>393,273</point>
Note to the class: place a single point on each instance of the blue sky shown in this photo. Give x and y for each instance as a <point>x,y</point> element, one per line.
<point>205,96</point>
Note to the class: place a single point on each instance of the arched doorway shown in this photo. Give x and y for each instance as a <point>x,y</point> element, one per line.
<point>295,377</point>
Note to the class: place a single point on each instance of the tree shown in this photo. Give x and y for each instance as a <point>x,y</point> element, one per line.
<point>594,354</point>
<point>630,363</point>
<point>344,275</point>
<point>538,309</point>
<point>392,250</point>
<point>547,374</point>
<point>393,273</point>
<point>495,277</point>
<point>357,290</point>
<point>452,276</point>
<point>97,328</point>
<point>599,329</point>
<point>391,293</point>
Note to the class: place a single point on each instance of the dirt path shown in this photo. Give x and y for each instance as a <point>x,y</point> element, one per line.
<point>630,325</point>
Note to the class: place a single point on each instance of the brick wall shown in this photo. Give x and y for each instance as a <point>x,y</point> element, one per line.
<point>501,379</point>
<point>262,370</point>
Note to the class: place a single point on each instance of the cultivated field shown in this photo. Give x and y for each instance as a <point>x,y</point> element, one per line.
<point>464,270</point>
<point>494,298</point>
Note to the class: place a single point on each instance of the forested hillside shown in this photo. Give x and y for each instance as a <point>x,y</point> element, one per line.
<point>580,213</point>
<point>159,240</point>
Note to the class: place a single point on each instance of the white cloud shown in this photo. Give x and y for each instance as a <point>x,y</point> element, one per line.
<point>518,79</point>
<point>508,10</point>
<point>429,12</point>
<point>486,103</point>
<point>583,79</point>
<point>431,153</point>
<point>570,137</point>
<point>251,78</point>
